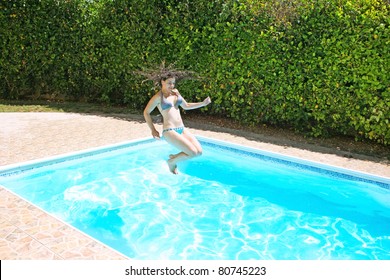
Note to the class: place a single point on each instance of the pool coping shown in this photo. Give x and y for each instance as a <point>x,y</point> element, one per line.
<point>25,165</point>
<point>66,223</point>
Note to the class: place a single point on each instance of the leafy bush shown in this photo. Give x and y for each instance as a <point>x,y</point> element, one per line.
<point>318,66</point>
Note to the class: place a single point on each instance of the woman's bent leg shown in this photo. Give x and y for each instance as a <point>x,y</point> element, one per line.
<point>190,137</point>
<point>185,144</point>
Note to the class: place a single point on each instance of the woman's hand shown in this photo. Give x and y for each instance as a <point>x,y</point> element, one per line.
<point>155,134</point>
<point>207,101</point>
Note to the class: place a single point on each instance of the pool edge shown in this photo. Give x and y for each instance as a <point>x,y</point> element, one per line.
<point>87,236</point>
<point>24,165</point>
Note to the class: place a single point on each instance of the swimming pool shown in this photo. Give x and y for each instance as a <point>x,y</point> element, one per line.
<point>233,202</point>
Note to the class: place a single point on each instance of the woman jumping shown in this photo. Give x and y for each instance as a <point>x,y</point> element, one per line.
<point>168,100</point>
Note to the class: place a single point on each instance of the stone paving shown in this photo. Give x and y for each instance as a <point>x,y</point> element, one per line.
<point>27,232</point>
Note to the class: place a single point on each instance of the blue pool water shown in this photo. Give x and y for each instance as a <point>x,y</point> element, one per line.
<point>231,203</point>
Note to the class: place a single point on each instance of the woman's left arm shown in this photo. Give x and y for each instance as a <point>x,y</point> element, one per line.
<point>190,106</point>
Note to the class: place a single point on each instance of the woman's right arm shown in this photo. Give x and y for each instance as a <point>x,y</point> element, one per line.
<point>153,102</point>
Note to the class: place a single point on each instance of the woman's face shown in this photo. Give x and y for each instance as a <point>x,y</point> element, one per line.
<point>168,84</point>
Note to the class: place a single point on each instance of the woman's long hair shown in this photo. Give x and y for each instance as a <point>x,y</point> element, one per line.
<point>162,73</point>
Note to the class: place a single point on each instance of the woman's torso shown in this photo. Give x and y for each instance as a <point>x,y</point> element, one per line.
<point>169,109</point>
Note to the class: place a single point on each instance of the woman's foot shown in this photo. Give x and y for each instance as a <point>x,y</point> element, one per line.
<point>172,166</point>
<point>171,156</point>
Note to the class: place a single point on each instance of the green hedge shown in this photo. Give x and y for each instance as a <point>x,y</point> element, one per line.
<point>318,66</point>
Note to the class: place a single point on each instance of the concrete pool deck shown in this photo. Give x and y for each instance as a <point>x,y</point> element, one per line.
<point>26,232</point>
